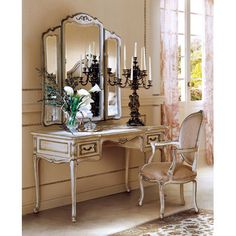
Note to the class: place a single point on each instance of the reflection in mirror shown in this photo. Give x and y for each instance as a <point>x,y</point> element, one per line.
<point>112,52</point>
<point>82,53</point>
<point>81,44</point>
<point>51,61</point>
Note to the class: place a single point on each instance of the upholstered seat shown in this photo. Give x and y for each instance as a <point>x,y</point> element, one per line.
<point>159,172</point>
<point>182,169</point>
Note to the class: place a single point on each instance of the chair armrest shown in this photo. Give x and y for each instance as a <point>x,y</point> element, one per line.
<point>166,143</point>
<point>161,144</point>
<point>186,150</point>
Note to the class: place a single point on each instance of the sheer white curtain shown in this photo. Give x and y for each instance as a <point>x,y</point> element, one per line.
<point>208,79</point>
<point>169,66</point>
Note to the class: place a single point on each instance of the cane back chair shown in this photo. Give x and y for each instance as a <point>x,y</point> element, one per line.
<point>179,171</point>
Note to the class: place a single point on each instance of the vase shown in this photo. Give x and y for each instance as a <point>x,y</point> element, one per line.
<point>71,122</point>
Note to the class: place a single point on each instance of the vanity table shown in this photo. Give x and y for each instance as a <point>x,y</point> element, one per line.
<point>71,59</point>
<point>56,145</point>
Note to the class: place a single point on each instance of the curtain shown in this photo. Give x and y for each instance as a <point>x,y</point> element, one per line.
<point>169,66</point>
<point>208,80</point>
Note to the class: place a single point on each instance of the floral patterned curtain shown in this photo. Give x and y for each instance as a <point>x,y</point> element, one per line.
<point>208,80</point>
<point>169,66</point>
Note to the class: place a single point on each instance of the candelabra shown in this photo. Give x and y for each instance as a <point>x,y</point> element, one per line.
<point>135,78</point>
<point>89,72</point>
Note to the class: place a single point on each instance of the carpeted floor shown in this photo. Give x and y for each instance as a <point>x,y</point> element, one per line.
<point>180,224</point>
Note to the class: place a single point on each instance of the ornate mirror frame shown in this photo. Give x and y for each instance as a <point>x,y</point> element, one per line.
<point>104,34</point>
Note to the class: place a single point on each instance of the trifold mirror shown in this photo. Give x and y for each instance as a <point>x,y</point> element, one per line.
<point>79,42</point>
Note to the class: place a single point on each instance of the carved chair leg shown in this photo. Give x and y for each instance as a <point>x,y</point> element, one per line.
<point>182,194</point>
<point>73,188</point>
<point>195,196</point>
<point>162,200</point>
<point>145,158</point>
<point>141,190</point>
<point>36,178</point>
<point>127,153</point>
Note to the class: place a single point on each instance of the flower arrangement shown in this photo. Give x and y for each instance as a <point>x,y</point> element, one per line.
<point>77,105</point>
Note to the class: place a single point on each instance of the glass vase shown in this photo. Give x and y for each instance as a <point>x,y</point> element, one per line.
<point>71,122</point>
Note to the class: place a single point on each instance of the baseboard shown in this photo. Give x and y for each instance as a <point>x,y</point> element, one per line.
<point>83,196</point>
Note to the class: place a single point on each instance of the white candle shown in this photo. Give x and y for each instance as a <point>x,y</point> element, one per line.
<point>131,72</point>
<point>108,61</point>
<point>144,59</point>
<point>150,69</point>
<point>80,69</point>
<point>135,49</point>
<point>141,66</point>
<point>89,51</point>
<point>93,52</point>
<point>85,58</point>
<point>124,57</point>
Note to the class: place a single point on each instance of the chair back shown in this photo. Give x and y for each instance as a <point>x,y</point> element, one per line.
<point>189,134</point>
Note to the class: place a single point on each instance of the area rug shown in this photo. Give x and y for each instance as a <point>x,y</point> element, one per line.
<point>184,223</point>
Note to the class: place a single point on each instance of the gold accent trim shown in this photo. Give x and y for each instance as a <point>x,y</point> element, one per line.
<point>82,177</point>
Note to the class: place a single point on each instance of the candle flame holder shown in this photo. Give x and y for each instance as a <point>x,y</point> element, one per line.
<point>138,81</point>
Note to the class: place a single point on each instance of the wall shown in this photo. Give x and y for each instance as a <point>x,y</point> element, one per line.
<point>126,18</point>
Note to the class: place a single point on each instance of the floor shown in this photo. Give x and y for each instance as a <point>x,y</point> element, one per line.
<point>117,212</point>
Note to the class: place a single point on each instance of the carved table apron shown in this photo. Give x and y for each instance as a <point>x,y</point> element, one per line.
<point>58,146</point>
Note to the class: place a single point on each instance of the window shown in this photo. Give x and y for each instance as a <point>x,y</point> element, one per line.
<point>190,34</point>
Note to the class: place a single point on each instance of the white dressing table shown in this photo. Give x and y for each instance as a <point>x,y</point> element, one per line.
<point>58,146</point>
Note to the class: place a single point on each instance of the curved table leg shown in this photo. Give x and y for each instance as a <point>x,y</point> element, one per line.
<point>73,188</point>
<point>182,194</point>
<point>162,200</point>
<point>36,178</point>
<point>195,196</point>
<point>127,153</point>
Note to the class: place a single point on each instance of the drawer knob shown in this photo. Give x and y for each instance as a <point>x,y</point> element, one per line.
<point>153,139</point>
<point>87,149</point>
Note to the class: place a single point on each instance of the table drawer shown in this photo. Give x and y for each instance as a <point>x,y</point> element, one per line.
<point>88,149</point>
<point>53,147</point>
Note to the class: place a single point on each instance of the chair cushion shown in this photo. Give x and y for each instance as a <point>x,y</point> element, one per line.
<point>158,171</point>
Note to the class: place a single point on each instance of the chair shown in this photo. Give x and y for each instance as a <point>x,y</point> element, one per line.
<point>175,172</point>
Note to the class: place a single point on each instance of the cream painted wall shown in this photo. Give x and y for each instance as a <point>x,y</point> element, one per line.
<point>126,18</point>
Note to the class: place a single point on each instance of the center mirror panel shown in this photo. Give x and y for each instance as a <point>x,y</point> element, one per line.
<point>82,53</point>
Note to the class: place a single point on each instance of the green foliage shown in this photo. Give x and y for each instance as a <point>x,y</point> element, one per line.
<point>195,69</point>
